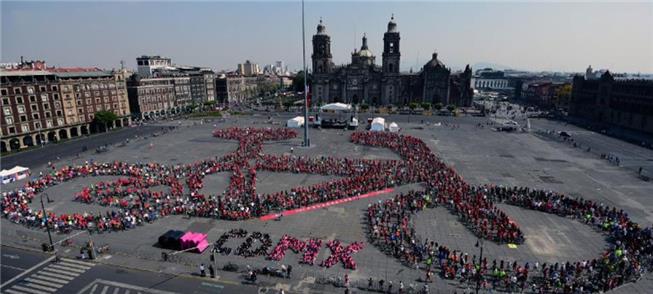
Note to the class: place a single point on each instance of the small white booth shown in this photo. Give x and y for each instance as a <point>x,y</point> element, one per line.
<point>296,122</point>
<point>17,173</point>
<point>378,124</point>
<point>393,127</point>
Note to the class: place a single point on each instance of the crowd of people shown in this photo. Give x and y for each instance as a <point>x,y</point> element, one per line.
<point>629,255</point>
<point>132,202</point>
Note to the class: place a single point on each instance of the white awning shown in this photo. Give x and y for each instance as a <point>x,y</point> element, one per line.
<point>336,107</point>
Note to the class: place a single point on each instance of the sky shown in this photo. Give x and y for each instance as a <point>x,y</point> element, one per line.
<point>550,36</point>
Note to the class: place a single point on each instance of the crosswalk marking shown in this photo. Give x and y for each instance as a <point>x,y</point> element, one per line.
<point>45,283</point>
<point>74,266</point>
<point>29,290</point>
<point>36,286</point>
<point>88,264</point>
<point>51,274</point>
<point>51,278</point>
<point>67,268</point>
<point>104,290</point>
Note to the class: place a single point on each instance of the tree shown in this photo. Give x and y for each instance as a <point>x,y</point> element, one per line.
<point>364,107</point>
<point>105,117</point>
<point>438,106</point>
<point>451,107</point>
<point>426,106</point>
<point>412,105</point>
<point>298,82</point>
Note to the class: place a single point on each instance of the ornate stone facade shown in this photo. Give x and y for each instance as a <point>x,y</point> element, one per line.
<point>364,82</point>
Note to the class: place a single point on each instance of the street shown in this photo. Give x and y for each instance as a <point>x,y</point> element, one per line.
<point>40,274</point>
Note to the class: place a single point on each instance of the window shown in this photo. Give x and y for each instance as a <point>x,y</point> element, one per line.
<point>30,90</point>
<point>58,112</point>
<point>48,124</point>
<point>6,110</point>
<point>32,99</point>
<point>44,97</point>
<point>47,114</point>
<point>80,110</point>
<point>4,92</point>
<point>23,118</point>
<point>5,100</point>
<point>9,120</point>
<point>46,106</point>
<point>57,104</point>
<point>37,125</point>
<point>54,88</point>
<point>60,121</point>
<point>55,96</point>
<point>19,100</point>
<point>12,130</point>
<point>66,88</point>
<point>42,88</point>
<point>34,107</point>
<point>25,128</point>
<point>35,116</point>
<point>21,108</point>
<point>17,90</point>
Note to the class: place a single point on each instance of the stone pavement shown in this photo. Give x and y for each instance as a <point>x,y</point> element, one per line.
<point>481,155</point>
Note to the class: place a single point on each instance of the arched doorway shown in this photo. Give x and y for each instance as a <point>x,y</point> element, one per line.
<point>63,134</point>
<point>118,123</point>
<point>28,141</point>
<point>52,136</point>
<point>4,146</point>
<point>40,138</point>
<point>14,144</point>
<point>125,122</point>
<point>85,130</point>
<point>73,132</point>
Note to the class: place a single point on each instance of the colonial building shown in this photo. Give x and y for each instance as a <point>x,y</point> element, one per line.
<point>363,81</point>
<point>151,98</point>
<point>41,104</point>
<point>626,103</point>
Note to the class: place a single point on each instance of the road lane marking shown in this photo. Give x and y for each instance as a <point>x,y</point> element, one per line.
<point>60,272</point>
<point>28,290</point>
<point>43,282</point>
<point>89,264</point>
<point>71,265</point>
<point>50,279</point>
<point>11,291</point>
<point>13,267</point>
<point>51,274</point>
<point>67,268</point>
<point>104,290</point>
<point>36,286</point>
<point>27,271</point>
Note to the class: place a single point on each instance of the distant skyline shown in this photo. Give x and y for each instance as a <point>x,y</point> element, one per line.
<point>528,36</point>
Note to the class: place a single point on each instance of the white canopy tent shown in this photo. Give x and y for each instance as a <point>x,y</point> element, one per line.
<point>15,174</point>
<point>336,107</point>
<point>378,124</point>
<point>393,127</point>
<point>296,122</point>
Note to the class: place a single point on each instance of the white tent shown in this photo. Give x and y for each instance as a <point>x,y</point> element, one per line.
<point>15,174</point>
<point>296,122</point>
<point>378,124</point>
<point>393,127</point>
<point>336,107</point>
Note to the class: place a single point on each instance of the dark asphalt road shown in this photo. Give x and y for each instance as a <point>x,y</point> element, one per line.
<point>39,156</point>
<point>73,276</point>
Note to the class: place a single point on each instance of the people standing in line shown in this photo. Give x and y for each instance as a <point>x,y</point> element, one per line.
<point>202,270</point>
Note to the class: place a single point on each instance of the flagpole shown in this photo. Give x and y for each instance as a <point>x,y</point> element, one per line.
<point>306,106</point>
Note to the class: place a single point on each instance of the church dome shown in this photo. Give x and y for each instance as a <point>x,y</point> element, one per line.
<point>365,53</point>
<point>434,62</point>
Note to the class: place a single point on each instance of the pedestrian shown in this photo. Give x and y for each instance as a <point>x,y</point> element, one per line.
<point>202,270</point>
<point>211,271</point>
<point>370,283</point>
<point>346,281</point>
<point>389,287</point>
<point>289,271</point>
<point>381,284</point>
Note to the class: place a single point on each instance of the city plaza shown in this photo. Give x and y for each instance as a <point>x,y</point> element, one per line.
<point>468,145</point>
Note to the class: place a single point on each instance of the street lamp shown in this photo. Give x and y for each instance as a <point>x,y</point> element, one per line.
<point>307,142</point>
<point>45,215</point>
<point>479,243</point>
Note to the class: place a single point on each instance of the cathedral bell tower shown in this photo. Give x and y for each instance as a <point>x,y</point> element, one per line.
<point>321,51</point>
<point>391,55</point>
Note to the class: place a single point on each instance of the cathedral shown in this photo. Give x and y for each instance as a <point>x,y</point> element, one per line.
<point>364,82</point>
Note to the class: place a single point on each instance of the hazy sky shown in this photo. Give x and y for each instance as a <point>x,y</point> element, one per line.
<point>533,36</point>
